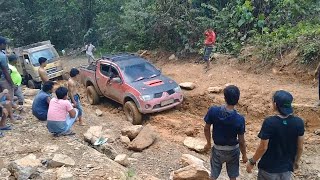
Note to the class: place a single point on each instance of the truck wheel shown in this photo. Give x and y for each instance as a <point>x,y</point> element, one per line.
<point>92,95</point>
<point>132,113</point>
<point>31,84</point>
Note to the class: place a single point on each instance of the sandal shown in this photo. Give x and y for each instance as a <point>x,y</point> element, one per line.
<point>6,128</point>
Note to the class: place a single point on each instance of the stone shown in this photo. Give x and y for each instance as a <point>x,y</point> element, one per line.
<point>132,131</point>
<point>122,159</point>
<point>172,57</point>
<point>64,174</point>
<point>108,150</point>
<point>48,174</point>
<point>4,174</point>
<point>317,132</point>
<point>195,144</point>
<point>188,159</point>
<point>99,112</point>
<point>50,148</point>
<point>125,140</point>
<point>190,131</point>
<point>61,160</point>
<point>136,155</point>
<point>144,139</point>
<point>191,172</point>
<point>187,85</point>
<point>25,167</point>
<point>215,89</point>
<point>30,92</point>
<point>228,84</point>
<point>92,134</point>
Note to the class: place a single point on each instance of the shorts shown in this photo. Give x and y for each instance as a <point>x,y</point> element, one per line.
<point>79,106</point>
<point>4,84</point>
<point>207,52</point>
<point>264,175</point>
<point>231,158</point>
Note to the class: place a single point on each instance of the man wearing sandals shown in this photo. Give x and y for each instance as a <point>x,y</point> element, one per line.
<point>208,42</point>
<point>61,114</point>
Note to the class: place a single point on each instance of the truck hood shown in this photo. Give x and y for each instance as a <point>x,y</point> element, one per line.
<point>154,85</point>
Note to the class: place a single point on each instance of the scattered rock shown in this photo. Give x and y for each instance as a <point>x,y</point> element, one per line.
<point>188,159</point>
<point>50,148</point>
<point>92,134</point>
<point>4,173</point>
<point>23,168</point>
<point>172,57</point>
<point>125,140</point>
<point>228,84</point>
<point>108,150</point>
<point>64,174</point>
<point>48,174</point>
<point>191,172</point>
<point>61,160</point>
<point>136,155</point>
<point>317,132</point>
<point>187,85</point>
<point>131,131</point>
<point>144,139</point>
<point>99,112</point>
<point>215,89</point>
<point>195,144</point>
<point>122,159</point>
<point>190,131</point>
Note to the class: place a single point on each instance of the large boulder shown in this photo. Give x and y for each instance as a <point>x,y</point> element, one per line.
<point>188,159</point>
<point>144,139</point>
<point>187,85</point>
<point>92,134</point>
<point>191,172</point>
<point>23,168</point>
<point>131,131</point>
<point>122,159</point>
<point>195,144</point>
<point>61,160</point>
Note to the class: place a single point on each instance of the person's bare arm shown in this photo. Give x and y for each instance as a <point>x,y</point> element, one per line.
<point>243,148</point>
<point>207,133</point>
<point>43,75</point>
<point>48,100</point>
<point>71,89</point>
<point>299,151</point>
<point>7,75</point>
<point>72,113</point>
<point>317,70</point>
<point>262,148</point>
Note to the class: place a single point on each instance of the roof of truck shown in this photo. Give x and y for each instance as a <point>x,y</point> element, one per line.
<point>124,59</point>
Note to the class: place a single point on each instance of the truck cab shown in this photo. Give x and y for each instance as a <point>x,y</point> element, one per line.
<point>28,64</point>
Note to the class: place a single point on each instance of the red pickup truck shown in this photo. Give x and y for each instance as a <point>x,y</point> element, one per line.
<point>133,82</point>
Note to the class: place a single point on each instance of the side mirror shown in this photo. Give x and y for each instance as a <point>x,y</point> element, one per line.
<point>116,80</point>
<point>27,61</point>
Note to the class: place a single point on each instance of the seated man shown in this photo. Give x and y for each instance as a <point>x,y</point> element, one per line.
<point>41,102</point>
<point>61,114</point>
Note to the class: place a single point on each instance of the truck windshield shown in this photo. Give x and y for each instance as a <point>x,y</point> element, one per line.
<point>137,72</point>
<point>47,53</point>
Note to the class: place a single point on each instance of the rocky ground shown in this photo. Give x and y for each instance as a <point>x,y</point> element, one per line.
<point>166,131</point>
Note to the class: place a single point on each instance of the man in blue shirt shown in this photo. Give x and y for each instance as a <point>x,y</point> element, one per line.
<point>281,141</point>
<point>228,128</point>
<point>41,102</point>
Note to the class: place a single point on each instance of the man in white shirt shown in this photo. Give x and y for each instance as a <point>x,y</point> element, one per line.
<point>89,49</point>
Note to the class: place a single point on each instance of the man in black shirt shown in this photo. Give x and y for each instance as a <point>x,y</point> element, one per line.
<point>281,142</point>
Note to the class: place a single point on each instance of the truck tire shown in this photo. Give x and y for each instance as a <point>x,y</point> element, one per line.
<point>132,113</point>
<point>92,95</point>
<point>31,84</point>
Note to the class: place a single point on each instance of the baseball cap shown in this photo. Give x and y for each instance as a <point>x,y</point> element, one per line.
<point>3,40</point>
<point>283,100</point>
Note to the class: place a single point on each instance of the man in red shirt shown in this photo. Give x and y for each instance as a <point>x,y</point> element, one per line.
<point>209,42</point>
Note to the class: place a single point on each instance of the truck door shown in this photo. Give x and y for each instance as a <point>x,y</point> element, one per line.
<point>114,87</point>
<point>102,77</point>
<point>28,65</point>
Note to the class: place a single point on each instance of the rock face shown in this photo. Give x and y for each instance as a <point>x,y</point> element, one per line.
<point>132,131</point>
<point>188,159</point>
<point>187,85</point>
<point>61,160</point>
<point>64,174</point>
<point>23,168</point>
<point>122,159</point>
<point>191,172</point>
<point>144,139</point>
<point>99,112</point>
<point>92,134</point>
<point>195,144</point>
<point>215,89</point>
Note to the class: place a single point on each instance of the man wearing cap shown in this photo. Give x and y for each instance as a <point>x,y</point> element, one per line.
<point>281,141</point>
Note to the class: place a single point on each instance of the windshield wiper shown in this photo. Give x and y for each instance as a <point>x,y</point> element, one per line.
<point>139,79</point>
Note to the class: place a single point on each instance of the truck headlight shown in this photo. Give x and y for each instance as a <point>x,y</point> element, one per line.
<point>146,97</point>
<point>177,89</point>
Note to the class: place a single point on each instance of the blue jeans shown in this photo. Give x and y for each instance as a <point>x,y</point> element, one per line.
<point>60,127</point>
<point>207,52</point>
<point>79,106</point>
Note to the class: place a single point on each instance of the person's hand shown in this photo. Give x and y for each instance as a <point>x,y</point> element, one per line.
<point>244,159</point>
<point>74,104</point>
<point>207,147</point>
<point>249,167</point>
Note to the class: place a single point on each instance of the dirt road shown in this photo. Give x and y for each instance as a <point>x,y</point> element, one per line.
<point>163,156</point>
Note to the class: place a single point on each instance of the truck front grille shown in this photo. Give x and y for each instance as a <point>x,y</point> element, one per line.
<point>52,70</point>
